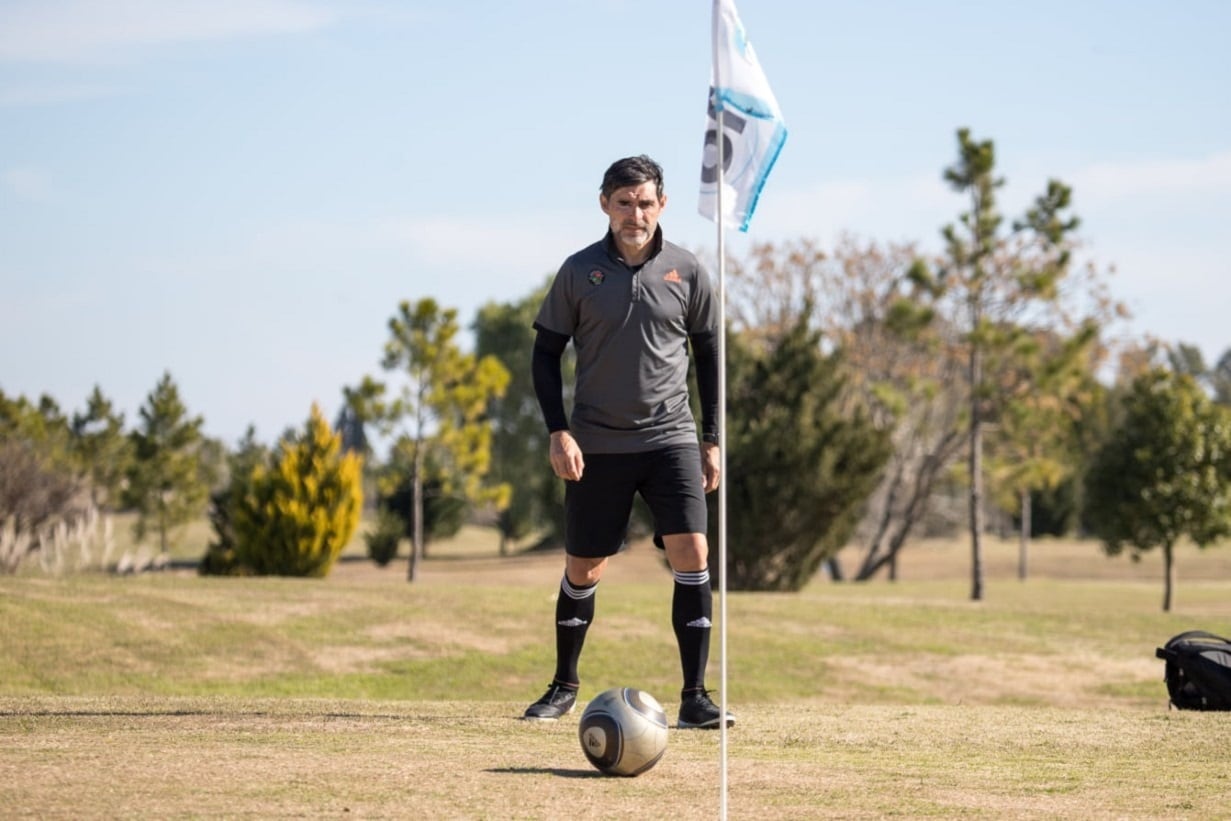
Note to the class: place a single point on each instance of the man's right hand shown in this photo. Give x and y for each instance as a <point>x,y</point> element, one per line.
<point>566,458</point>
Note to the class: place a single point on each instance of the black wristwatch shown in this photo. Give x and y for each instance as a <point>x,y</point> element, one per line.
<point>711,438</point>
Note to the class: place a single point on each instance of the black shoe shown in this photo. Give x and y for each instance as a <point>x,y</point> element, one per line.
<point>697,712</point>
<point>557,701</point>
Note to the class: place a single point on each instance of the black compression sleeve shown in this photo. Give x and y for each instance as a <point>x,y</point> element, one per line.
<point>548,381</point>
<point>705,352</point>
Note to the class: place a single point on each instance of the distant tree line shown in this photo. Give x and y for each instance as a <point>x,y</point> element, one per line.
<point>876,394</point>
<point>58,470</point>
<point>288,512</point>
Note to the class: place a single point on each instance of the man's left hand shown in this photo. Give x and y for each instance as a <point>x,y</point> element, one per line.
<point>711,466</point>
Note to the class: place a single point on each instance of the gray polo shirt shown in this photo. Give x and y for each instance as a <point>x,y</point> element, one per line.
<point>630,330</point>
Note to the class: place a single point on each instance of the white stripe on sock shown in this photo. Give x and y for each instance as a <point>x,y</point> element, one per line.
<point>577,593</point>
<point>693,578</point>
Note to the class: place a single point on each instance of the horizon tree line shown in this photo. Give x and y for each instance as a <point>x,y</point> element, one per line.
<point>896,380</point>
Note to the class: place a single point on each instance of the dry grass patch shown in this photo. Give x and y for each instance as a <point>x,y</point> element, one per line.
<point>259,758</point>
<point>175,696</point>
<point>992,680</point>
<point>1049,558</point>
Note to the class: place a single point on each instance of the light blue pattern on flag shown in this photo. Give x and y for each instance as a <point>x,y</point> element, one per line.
<point>753,130</point>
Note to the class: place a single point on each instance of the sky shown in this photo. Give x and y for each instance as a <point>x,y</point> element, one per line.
<point>240,192</point>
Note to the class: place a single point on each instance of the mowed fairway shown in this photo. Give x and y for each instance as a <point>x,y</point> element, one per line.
<point>169,695</point>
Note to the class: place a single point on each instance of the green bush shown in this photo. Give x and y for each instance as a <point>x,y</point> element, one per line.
<point>383,540</point>
<point>298,512</point>
<point>220,558</point>
<point>443,513</point>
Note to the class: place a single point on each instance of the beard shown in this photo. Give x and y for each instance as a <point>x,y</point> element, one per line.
<point>635,233</point>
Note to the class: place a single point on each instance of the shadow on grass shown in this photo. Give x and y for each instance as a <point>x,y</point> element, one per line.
<point>559,772</point>
<point>173,713</point>
<point>70,713</point>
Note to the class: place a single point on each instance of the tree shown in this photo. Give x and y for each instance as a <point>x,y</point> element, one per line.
<point>298,511</point>
<point>1164,474</point>
<point>1055,511</point>
<point>900,364</point>
<point>1034,444</point>
<point>1185,358</point>
<point>798,469</point>
<point>220,557</point>
<point>350,427</point>
<point>440,411</point>
<point>102,448</point>
<point>36,494</point>
<point>42,425</point>
<point>165,481</point>
<point>41,486</point>
<point>444,512</point>
<point>519,439</point>
<point>904,365</point>
<point>1220,378</point>
<point>1000,290</point>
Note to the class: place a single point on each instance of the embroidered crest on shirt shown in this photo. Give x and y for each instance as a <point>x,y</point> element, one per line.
<point>596,277</point>
<point>672,276</point>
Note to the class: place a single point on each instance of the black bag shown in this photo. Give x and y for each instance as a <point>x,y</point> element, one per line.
<point>1198,671</point>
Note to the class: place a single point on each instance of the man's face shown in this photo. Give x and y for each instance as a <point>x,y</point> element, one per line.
<point>634,213</point>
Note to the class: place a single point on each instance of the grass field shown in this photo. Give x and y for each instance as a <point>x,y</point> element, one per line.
<point>360,695</point>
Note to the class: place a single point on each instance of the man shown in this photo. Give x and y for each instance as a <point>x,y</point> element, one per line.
<point>632,303</point>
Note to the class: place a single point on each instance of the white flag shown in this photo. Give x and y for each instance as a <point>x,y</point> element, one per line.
<point>753,131</point>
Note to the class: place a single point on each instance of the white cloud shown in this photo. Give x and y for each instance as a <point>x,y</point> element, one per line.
<point>494,243</point>
<point>89,30</point>
<point>899,210</point>
<point>50,93</point>
<point>27,184</point>
<point>455,251</point>
<point>1176,294</point>
<point>1110,181</point>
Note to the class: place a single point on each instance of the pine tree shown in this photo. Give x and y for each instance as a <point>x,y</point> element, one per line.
<point>102,448</point>
<point>166,482</point>
<point>798,468</point>
<point>989,282</point>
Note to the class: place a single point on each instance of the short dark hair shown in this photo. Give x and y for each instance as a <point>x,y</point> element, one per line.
<point>632,171</point>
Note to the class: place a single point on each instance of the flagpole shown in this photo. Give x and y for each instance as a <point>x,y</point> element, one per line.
<point>722,484</point>
<point>756,122</point>
<point>722,442</point>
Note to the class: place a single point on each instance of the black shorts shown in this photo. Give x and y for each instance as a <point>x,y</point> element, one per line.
<point>597,508</point>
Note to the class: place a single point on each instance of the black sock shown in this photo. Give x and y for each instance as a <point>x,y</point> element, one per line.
<point>692,610</point>
<point>574,612</point>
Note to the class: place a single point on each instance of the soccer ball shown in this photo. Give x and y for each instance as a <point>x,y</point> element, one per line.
<point>623,731</point>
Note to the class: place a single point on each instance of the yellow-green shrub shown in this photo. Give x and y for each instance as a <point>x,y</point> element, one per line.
<point>299,511</point>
